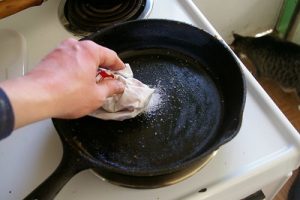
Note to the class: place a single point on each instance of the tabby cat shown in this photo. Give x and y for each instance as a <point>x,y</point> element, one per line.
<point>273,58</point>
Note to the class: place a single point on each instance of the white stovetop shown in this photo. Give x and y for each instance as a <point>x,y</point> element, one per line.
<point>266,148</point>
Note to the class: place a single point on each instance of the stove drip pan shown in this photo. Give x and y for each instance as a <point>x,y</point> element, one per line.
<point>149,182</point>
<point>83,17</point>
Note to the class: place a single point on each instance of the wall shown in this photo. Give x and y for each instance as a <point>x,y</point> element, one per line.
<point>246,17</point>
<point>294,35</point>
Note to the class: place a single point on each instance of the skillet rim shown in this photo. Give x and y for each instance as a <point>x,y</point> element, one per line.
<point>213,147</point>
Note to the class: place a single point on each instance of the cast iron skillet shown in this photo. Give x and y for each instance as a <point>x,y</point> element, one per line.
<point>197,107</point>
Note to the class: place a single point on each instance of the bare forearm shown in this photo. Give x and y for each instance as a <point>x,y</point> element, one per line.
<point>30,100</point>
<point>63,84</point>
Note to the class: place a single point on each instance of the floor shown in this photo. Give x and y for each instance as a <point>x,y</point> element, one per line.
<point>289,104</point>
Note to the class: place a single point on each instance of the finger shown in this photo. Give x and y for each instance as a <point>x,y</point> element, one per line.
<point>110,59</point>
<point>109,87</point>
<point>106,57</point>
<point>69,42</point>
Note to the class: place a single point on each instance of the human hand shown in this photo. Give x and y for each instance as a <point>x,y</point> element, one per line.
<point>69,73</point>
<point>63,84</point>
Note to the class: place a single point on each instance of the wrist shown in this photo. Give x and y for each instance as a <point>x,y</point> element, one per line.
<point>30,99</point>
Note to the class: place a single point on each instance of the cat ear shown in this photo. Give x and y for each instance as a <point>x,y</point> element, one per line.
<point>236,36</point>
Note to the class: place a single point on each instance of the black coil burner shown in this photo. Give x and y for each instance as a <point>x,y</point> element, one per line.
<point>92,15</point>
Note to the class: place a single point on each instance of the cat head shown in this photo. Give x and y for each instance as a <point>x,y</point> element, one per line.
<point>239,43</point>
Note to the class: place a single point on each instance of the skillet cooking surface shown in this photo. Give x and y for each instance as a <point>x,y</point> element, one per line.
<point>197,107</point>
<point>182,118</point>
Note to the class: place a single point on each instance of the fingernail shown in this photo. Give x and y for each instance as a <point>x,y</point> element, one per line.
<point>122,67</point>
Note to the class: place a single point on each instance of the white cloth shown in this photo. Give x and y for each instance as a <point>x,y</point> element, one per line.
<point>130,103</point>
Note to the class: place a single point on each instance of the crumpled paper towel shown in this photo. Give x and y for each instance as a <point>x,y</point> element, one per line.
<point>130,103</point>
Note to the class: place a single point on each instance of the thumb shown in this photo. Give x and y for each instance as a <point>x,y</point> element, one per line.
<point>109,87</point>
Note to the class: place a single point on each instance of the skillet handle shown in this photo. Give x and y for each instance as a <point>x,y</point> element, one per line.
<point>70,165</point>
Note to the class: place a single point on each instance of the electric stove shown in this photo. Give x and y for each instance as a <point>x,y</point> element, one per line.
<point>258,161</point>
